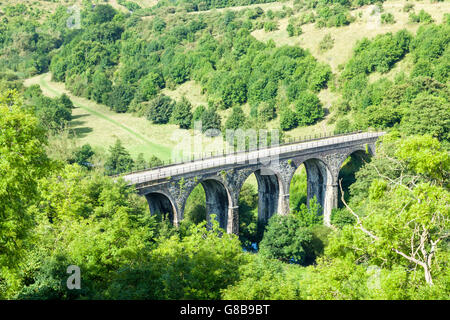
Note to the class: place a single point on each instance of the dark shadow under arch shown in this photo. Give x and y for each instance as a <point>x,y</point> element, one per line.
<point>348,169</point>
<point>160,204</point>
<point>217,201</point>
<point>268,194</point>
<point>318,176</point>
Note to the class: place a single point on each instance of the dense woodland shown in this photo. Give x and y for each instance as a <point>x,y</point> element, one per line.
<point>389,237</point>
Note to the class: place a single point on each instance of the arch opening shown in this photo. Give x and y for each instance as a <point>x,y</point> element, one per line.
<point>318,177</point>
<point>217,201</point>
<point>249,233</point>
<point>347,172</point>
<point>195,206</point>
<point>259,199</point>
<point>160,204</point>
<point>298,192</point>
<point>268,194</point>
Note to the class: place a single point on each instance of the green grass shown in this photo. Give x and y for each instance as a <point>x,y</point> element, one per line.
<point>97,125</point>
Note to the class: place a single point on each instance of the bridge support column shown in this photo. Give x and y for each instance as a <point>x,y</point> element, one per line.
<point>283,205</point>
<point>330,202</point>
<point>371,148</point>
<point>233,220</point>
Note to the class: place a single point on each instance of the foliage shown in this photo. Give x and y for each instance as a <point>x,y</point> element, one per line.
<point>82,155</point>
<point>182,114</point>
<point>308,109</point>
<point>23,162</point>
<point>288,119</point>
<point>210,121</point>
<point>326,43</point>
<point>422,17</point>
<point>291,238</point>
<point>387,18</point>
<point>236,120</point>
<point>119,160</point>
<point>263,279</point>
<point>198,266</point>
<point>160,109</point>
<point>428,114</point>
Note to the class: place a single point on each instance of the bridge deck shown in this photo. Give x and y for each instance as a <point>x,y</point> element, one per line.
<point>245,157</point>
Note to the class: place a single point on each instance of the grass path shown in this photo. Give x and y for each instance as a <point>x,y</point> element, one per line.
<point>46,85</point>
<point>100,127</point>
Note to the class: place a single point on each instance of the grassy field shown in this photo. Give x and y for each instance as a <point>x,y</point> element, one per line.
<point>97,125</point>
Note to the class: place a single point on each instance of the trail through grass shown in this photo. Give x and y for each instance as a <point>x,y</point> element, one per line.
<point>97,125</point>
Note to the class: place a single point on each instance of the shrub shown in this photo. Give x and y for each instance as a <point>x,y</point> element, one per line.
<point>387,18</point>
<point>308,108</point>
<point>408,7</point>
<point>342,126</point>
<point>326,43</point>
<point>182,114</point>
<point>422,17</point>
<point>270,26</point>
<point>288,120</point>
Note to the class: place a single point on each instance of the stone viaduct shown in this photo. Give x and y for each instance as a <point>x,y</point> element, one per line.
<point>167,188</point>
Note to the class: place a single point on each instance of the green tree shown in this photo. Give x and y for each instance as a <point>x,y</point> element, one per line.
<point>407,195</point>
<point>119,160</point>
<point>120,97</point>
<point>160,109</point>
<point>236,120</point>
<point>140,162</point>
<point>308,108</point>
<point>234,91</point>
<point>101,87</point>
<point>267,111</point>
<point>197,115</point>
<point>210,120</point>
<point>182,114</point>
<point>149,86</point>
<point>23,162</point>
<point>154,162</point>
<point>65,101</point>
<point>288,119</point>
<point>285,239</point>
<point>428,115</point>
<point>82,155</point>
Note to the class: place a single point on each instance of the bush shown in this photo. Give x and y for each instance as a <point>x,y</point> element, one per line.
<point>326,43</point>
<point>408,7</point>
<point>119,159</point>
<point>335,15</point>
<point>267,111</point>
<point>422,17</point>
<point>308,109</point>
<point>387,18</point>
<point>341,217</point>
<point>211,121</point>
<point>285,239</point>
<point>288,119</point>
<point>120,98</point>
<point>270,26</point>
<point>342,126</point>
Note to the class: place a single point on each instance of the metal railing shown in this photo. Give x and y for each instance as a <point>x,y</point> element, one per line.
<point>242,157</point>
